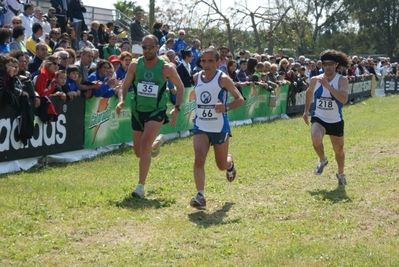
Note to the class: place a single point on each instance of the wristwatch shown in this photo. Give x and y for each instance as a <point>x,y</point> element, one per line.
<point>177,107</point>
<point>227,108</point>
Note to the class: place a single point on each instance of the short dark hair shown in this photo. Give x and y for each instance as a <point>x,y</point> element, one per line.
<point>17,31</point>
<point>36,27</point>
<point>27,6</point>
<point>72,68</point>
<point>225,47</point>
<point>5,35</point>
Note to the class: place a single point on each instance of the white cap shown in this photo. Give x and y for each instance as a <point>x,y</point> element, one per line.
<point>137,49</point>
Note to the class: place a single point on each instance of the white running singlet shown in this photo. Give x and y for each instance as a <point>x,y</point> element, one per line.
<point>207,95</point>
<point>327,108</point>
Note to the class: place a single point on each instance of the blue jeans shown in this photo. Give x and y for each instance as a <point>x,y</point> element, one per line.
<point>78,31</point>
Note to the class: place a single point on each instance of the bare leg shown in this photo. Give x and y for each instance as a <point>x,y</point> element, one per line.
<point>221,151</point>
<point>143,151</point>
<point>317,133</point>
<point>338,147</point>
<point>201,148</point>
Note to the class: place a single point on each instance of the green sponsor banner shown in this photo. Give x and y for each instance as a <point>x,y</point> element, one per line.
<point>186,114</point>
<point>281,99</point>
<point>254,98</point>
<point>102,126</point>
<point>256,104</point>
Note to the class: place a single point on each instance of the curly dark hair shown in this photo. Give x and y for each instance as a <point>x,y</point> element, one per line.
<point>340,57</point>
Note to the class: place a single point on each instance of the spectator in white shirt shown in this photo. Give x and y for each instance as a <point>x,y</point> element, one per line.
<point>166,46</point>
<point>39,18</point>
<point>27,21</point>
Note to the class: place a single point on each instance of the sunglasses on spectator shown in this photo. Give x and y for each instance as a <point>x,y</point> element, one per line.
<point>16,22</point>
<point>148,47</point>
<point>64,58</point>
<point>328,63</point>
<point>55,63</point>
<point>181,33</point>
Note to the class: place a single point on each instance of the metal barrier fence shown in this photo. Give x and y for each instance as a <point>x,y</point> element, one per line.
<point>103,15</point>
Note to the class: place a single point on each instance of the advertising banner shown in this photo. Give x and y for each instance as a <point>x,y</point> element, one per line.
<point>64,134</point>
<point>186,114</point>
<point>102,126</point>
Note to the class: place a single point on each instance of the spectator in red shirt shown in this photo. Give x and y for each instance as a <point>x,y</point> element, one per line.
<point>46,79</point>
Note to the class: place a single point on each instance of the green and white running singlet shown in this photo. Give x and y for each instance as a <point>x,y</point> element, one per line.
<point>149,88</point>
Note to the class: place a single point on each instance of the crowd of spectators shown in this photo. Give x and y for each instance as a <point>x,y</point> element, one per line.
<point>57,54</point>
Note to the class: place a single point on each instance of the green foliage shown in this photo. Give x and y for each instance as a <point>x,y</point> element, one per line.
<point>276,213</point>
<point>381,25</point>
<point>129,8</point>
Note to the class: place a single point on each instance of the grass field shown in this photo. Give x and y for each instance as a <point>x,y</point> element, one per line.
<point>276,213</point>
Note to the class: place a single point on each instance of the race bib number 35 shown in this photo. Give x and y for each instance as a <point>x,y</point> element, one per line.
<point>147,89</point>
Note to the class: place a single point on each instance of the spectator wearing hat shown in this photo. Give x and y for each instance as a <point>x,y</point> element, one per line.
<point>137,51</point>
<point>61,43</point>
<point>115,61</point>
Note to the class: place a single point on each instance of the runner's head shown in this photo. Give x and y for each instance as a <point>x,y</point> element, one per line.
<point>150,46</point>
<point>335,56</point>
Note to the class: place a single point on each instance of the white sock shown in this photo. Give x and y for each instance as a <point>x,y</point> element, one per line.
<point>201,192</point>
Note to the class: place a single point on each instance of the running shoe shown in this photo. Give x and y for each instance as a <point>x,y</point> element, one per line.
<point>138,192</point>
<point>320,167</point>
<point>232,172</point>
<point>198,202</point>
<point>158,143</point>
<point>341,179</point>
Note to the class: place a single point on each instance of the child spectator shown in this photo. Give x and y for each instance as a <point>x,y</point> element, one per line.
<point>62,86</point>
<point>111,48</point>
<point>84,42</point>
<point>72,77</point>
<point>258,70</point>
